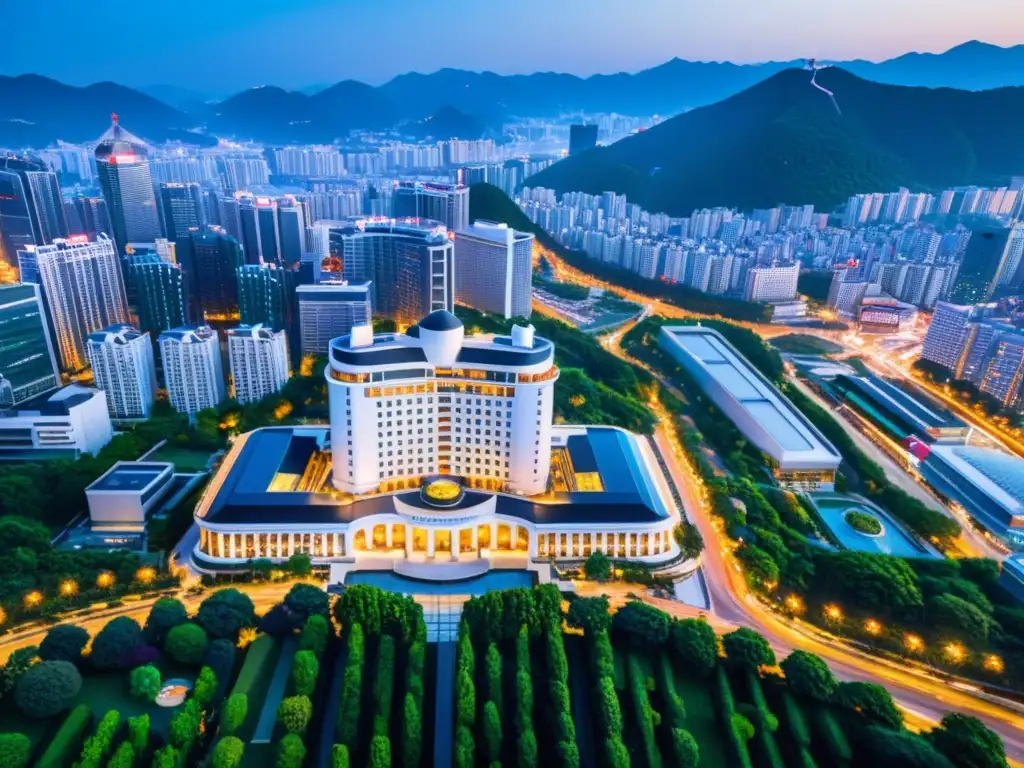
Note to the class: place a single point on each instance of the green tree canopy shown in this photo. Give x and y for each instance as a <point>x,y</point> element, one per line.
<point>65,642</point>
<point>746,649</point>
<point>591,614</point>
<point>144,682</point>
<point>166,613</point>
<point>15,750</point>
<point>809,676</point>
<point>225,613</point>
<point>47,688</point>
<point>643,625</point>
<point>872,702</point>
<point>113,647</point>
<point>968,743</point>
<point>186,644</point>
<point>305,600</point>
<point>695,645</point>
<point>597,566</point>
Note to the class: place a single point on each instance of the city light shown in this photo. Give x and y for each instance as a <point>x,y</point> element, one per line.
<point>913,643</point>
<point>32,599</point>
<point>794,604</point>
<point>993,663</point>
<point>145,575</point>
<point>872,627</point>
<point>3,616</point>
<point>833,612</point>
<point>105,580</point>
<point>246,637</point>
<point>955,652</point>
<point>68,587</point>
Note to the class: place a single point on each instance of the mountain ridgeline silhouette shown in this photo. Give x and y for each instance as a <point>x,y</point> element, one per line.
<point>783,141</point>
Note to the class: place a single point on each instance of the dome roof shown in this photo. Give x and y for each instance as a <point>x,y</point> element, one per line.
<point>1004,470</point>
<point>440,320</point>
<point>118,141</point>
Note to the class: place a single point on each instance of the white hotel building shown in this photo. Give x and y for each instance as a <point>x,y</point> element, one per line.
<point>441,449</point>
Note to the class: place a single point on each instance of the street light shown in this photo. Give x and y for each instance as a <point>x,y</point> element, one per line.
<point>833,612</point>
<point>872,627</point>
<point>993,663</point>
<point>955,652</point>
<point>145,575</point>
<point>32,599</point>
<point>913,643</point>
<point>105,579</point>
<point>795,604</point>
<point>68,587</point>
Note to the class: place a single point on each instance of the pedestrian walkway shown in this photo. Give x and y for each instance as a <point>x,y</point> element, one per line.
<point>268,715</point>
<point>444,704</point>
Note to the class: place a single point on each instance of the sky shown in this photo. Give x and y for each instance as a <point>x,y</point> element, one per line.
<point>220,46</point>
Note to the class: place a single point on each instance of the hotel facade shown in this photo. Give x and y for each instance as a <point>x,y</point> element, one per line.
<point>441,448</point>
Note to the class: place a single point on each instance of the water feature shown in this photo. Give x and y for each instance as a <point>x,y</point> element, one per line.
<point>891,541</point>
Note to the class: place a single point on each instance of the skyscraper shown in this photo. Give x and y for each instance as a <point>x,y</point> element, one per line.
<point>156,292</point>
<point>193,372</point>
<point>947,335</point>
<point>266,295</point>
<point>122,364</point>
<point>445,203</point>
<point>210,260</point>
<point>181,207</point>
<point>261,235</point>
<point>411,264</point>
<point>330,309</point>
<point>82,287</point>
<point>28,366</point>
<point>582,138</point>
<point>291,221</point>
<point>87,216</point>
<point>123,164</point>
<point>984,262</point>
<point>259,362</point>
<point>31,210</point>
<point>494,264</point>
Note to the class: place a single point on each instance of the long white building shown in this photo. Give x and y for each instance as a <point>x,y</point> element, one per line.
<point>772,284</point>
<point>494,269</point>
<point>193,372</point>
<point>122,364</point>
<point>60,425</point>
<point>83,288</point>
<point>259,362</point>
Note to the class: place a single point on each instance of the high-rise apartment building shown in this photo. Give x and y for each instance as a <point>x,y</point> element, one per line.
<point>181,208</point>
<point>771,284</point>
<point>445,203</point>
<point>261,234</point>
<point>82,287</point>
<point>947,335</point>
<point>410,263</point>
<point>122,364</point>
<point>156,292</point>
<point>192,368</point>
<point>988,252</point>
<point>1005,370</point>
<point>210,259</point>
<point>582,138</point>
<point>494,269</point>
<point>291,227</point>
<point>31,209</point>
<point>259,362</point>
<point>329,310</point>
<point>28,366</point>
<point>266,296</point>
<point>122,161</point>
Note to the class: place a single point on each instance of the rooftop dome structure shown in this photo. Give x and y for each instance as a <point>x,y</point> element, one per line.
<point>440,320</point>
<point>117,142</point>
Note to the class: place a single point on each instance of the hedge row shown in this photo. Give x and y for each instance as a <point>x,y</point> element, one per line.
<point>685,753</point>
<point>836,745</point>
<point>492,666</point>
<point>607,702</point>
<point>728,714</point>
<point>765,721</point>
<point>259,656</point>
<point>352,688</point>
<point>67,741</point>
<point>558,683</point>
<point>97,746</point>
<point>465,699</point>
<point>642,710</point>
<point>384,686</point>
<point>527,742</point>
<point>412,705</point>
<point>799,730</point>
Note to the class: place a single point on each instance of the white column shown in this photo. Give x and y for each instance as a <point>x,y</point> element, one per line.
<point>408,541</point>
<point>221,552</point>
<point>494,537</point>
<point>430,542</point>
<point>476,538</point>
<point>231,545</point>
<point>291,544</point>
<point>387,535</point>
<point>531,539</point>
<point>455,539</point>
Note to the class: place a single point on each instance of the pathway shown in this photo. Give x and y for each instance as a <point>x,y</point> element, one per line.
<point>444,728</point>
<point>268,715</point>
<point>332,701</point>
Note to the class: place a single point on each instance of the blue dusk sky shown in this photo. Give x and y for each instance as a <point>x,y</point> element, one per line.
<point>220,46</point>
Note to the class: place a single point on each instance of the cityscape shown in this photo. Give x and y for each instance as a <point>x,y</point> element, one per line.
<point>473,419</point>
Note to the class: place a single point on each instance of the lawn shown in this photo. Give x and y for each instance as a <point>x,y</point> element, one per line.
<point>254,680</point>
<point>184,459</point>
<point>110,691</point>
<point>803,344</point>
<point>702,720</point>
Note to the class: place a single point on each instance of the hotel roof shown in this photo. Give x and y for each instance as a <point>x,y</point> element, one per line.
<point>629,494</point>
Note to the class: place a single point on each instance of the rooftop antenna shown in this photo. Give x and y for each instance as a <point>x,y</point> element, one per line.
<point>812,64</point>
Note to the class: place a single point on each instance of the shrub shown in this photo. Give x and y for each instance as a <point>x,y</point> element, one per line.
<point>643,625</point>
<point>767,723</point>
<point>307,600</point>
<point>558,662</point>
<point>294,713</point>
<point>233,715</point>
<point>492,731</point>
<point>601,655</point>
<point>314,635</point>
<point>589,614</point>
<point>352,687</point>
<point>642,711</point>
<point>685,752</point>
<point>113,646</point>
<point>675,712</point>
<point>305,669</point>
<point>695,645</point>
<point>384,685</point>
<point>492,664</point>
<point>871,702</point>
<point>186,644</point>
<point>412,732</point>
<point>465,700</point>
<point>569,754</point>
<point>526,749</point>
<point>166,757</point>
<point>97,746</point>
<point>138,733</point>
<point>464,654</point>
<point>144,682</point>
<point>464,747</point>
<point>608,707</point>
<point>967,742</point>
<point>737,732</point>
<point>616,754</point>
<point>64,642</point>
<point>796,721</point>
<point>166,613</point>
<point>291,752</point>
<point>15,750</point>
<point>380,752</point>
<point>339,756</point>
<point>836,745</point>
<point>184,726</point>
<point>808,675</point>
<point>205,688</point>
<point>524,701</point>
<point>66,741</point>
<point>597,566</point>
<point>225,613</point>
<point>228,753</point>
<point>123,757</point>
<point>746,649</point>
<point>47,688</point>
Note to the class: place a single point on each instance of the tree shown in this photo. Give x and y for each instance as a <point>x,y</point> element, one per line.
<point>877,583</point>
<point>113,646</point>
<point>870,701</point>
<point>760,568</point>
<point>15,750</point>
<point>339,756</point>
<point>47,688</point>
<point>957,617</point>
<point>306,600</point>
<point>291,752</point>
<point>746,649</point>
<point>165,757</point>
<point>225,613</point>
<point>184,726</point>
<point>644,625</point>
<point>220,657</point>
<point>17,665</point>
<point>228,753</point>
<point>205,689</point>
<point>144,682</point>
<point>65,642</point>
<point>589,614</point>
<point>597,566</point>
<point>465,699</point>
<point>305,669</point>
<point>138,733</point>
<point>235,710</point>
<point>695,645</point>
<point>186,644</point>
<point>294,713</point>
<point>809,676</point>
<point>685,751</point>
<point>380,752</point>
<point>299,564</point>
<point>967,742</point>
<point>166,613</point>
<point>465,747</point>
<point>900,749</point>
<point>981,570</point>
<point>412,731</point>
<point>314,635</point>
<point>492,731</point>
<point>616,754</point>
<point>687,536</point>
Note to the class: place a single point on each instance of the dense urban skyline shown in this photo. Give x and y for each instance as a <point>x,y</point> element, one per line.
<point>277,43</point>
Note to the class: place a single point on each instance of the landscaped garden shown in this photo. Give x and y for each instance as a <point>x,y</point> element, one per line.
<point>184,458</point>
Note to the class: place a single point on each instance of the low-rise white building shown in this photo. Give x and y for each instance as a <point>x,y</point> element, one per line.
<point>124,495</point>
<point>61,425</point>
